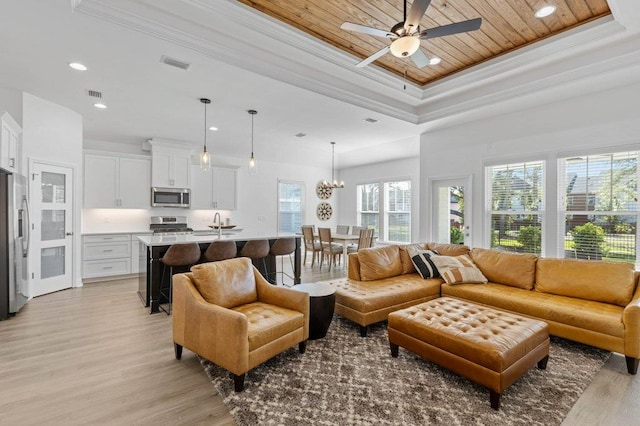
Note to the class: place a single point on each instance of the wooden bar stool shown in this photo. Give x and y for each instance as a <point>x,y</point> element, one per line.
<point>221,250</point>
<point>177,255</point>
<point>256,250</point>
<point>285,246</point>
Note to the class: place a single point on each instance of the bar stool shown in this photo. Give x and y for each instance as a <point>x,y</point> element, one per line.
<point>221,250</point>
<point>255,250</point>
<point>283,247</point>
<point>176,255</point>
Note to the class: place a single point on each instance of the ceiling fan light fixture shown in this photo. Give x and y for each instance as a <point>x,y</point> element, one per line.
<point>545,11</point>
<point>405,46</point>
<point>434,61</point>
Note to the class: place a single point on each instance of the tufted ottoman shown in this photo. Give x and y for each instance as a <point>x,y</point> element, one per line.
<point>490,347</point>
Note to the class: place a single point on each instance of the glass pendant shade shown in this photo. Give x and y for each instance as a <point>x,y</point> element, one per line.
<point>205,156</point>
<point>405,46</point>
<point>253,165</point>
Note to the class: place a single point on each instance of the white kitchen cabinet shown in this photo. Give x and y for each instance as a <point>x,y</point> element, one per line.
<point>116,182</point>
<point>214,188</point>
<point>10,149</point>
<point>135,252</point>
<point>170,167</point>
<point>106,255</point>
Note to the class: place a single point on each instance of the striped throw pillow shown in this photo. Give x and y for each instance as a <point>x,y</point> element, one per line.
<point>421,259</point>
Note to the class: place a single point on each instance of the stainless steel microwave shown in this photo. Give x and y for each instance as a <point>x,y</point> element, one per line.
<point>171,197</point>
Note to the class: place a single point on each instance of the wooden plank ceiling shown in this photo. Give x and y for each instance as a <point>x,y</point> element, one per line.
<point>506,25</point>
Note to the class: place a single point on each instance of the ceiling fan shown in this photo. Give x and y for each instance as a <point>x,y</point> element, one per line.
<point>405,36</point>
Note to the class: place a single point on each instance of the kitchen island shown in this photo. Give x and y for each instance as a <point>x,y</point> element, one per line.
<point>153,247</point>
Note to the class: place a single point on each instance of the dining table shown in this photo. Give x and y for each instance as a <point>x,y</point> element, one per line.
<point>345,240</point>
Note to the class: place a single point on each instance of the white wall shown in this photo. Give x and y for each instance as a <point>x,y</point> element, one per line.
<point>53,134</point>
<point>408,168</point>
<point>11,102</point>
<point>603,121</point>
<point>257,210</point>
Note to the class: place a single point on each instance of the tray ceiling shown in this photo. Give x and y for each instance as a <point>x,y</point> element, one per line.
<point>507,25</point>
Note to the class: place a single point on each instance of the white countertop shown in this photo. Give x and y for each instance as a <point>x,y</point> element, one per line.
<point>164,240</point>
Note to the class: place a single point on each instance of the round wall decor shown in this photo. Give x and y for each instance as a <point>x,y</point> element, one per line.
<point>323,191</point>
<point>324,211</point>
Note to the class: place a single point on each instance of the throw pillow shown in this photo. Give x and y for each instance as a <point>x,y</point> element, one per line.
<point>421,259</point>
<point>405,257</point>
<point>458,269</point>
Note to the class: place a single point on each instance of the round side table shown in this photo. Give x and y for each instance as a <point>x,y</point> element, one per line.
<point>322,300</point>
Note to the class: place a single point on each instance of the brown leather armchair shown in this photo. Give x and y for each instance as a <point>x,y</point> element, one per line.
<point>229,314</point>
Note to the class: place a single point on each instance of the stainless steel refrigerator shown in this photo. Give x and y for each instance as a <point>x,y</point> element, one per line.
<point>14,243</point>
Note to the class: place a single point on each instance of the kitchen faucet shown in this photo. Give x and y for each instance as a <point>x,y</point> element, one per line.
<point>219,224</point>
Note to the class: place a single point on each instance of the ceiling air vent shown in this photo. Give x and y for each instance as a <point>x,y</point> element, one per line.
<point>175,62</point>
<point>370,120</point>
<point>300,135</point>
<point>94,94</point>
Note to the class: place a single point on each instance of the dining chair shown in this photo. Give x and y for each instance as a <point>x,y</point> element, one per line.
<point>310,244</point>
<point>365,240</point>
<point>342,229</point>
<point>332,250</point>
<point>355,230</point>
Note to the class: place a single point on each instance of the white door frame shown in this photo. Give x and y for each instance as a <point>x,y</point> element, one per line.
<point>467,182</point>
<point>73,228</point>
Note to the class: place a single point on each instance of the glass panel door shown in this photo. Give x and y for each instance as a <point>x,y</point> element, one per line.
<point>450,222</point>
<point>52,226</point>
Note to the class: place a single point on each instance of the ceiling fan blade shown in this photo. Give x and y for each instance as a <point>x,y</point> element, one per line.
<point>418,8</point>
<point>458,27</point>
<point>420,59</point>
<point>350,26</point>
<point>373,57</point>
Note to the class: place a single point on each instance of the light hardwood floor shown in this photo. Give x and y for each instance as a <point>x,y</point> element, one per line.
<point>93,355</point>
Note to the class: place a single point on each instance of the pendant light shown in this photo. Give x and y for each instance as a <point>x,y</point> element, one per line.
<point>253,165</point>
<point>334,183</point>
<point>205,157</point>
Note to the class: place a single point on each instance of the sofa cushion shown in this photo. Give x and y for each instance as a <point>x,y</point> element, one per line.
<point>379,262</point>
<point>423,264</point>
<point>449,249</point>
<point>407,265</point>
<point>606,282</point>
<point>458,269</point>
<point>228,283</point>
<point>597,317</point>
<point>513,269</point>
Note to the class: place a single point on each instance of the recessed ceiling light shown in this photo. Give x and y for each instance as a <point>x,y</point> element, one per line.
<point>545,11</point>
<point>434,61</point>
<point>300,135</point>
<point>77,66</point>
<point>100,105</point>
<point>370,120</point>
<point>213,128</point>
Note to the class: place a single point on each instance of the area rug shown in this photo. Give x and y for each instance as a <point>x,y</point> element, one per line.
<point>345,379</point>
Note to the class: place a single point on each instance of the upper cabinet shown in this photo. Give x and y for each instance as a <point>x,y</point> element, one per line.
<point>10,149</point>
<point>116,182</point>
<point>171,166</point>
<point>214,188</point>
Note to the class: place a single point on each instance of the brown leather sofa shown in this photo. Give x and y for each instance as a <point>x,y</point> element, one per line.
<point>591,302</point>
<point>229,314</point>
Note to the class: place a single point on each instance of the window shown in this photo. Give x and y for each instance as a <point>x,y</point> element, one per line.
<point>394,209</point>
<point>397,211</point>
<point>290,206</point>
<point>598,206</point>
<point>368,205</point>
<point>515,201</point>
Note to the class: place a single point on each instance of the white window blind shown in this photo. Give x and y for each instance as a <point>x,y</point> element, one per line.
<point>398,211</point>
<point>290,206</point>
<point>599,206</point>
<point>368,205</point>
<point>515,206</point>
